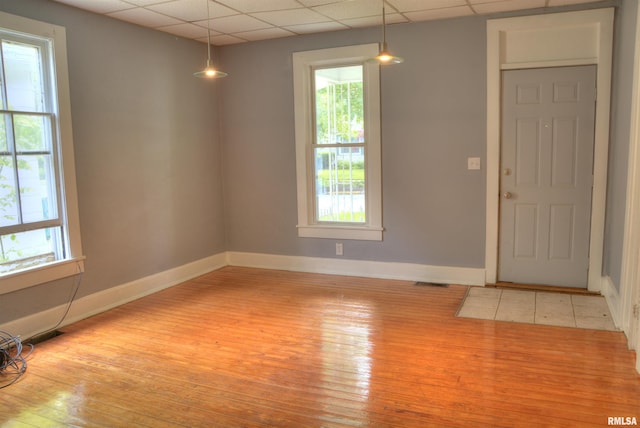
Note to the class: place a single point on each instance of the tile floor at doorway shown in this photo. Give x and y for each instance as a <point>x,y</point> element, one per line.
<point>537,307</point>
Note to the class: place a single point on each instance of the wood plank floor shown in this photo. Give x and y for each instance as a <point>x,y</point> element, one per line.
<point>244,347</point>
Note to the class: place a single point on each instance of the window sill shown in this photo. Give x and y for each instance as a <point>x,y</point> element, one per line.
<point>42,274</point>
<point>341,232</point>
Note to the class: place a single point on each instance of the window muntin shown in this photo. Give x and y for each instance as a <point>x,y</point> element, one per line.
<point>339,145</point>
<point>31,227</point>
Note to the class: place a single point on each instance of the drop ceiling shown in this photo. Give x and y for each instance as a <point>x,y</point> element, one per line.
<point>238,21</point>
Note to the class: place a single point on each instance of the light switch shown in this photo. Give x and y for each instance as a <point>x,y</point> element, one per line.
<point>473,163</point>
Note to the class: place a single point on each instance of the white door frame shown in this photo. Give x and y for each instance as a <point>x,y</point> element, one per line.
<point>551,40</point>
<point>630,280</point>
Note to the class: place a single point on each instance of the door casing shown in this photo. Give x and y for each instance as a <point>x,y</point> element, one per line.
<point>551,40</point>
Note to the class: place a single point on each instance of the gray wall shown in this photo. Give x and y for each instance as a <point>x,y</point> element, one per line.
<point>433,118</point>
<point>619,144</point>
<point>147,152</point>
<point>155,148</point>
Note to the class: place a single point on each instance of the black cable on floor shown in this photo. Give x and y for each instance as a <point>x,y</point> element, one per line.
<point>12,361</point>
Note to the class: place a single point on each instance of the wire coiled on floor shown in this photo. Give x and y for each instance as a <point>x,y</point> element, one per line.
<point>12,361</point>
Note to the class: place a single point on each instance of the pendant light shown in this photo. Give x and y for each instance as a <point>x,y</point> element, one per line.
<point>384,57</point>
<point>209,72</point>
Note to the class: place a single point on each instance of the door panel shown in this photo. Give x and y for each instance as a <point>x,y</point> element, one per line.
<point>561,227</point>
<point>564,152</point>
<point>527,151</point>
<point>546,175</point>
<point>526,225</point>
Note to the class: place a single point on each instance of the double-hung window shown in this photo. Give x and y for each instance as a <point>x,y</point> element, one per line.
<point>337,108</point>
<point>38,208</point>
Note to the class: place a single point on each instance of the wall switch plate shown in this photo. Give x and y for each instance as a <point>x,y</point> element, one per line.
<point>473,163</point>
<point>339,249</point>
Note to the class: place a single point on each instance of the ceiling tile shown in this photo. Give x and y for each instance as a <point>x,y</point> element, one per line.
<point>369,21</point>
<point>224,39</point>
<point>416,5</point>
<point>350,9</point>
<point>283,18</point>
<point>144,17</point>
<point>192,10</point>
<point>187,10</point>
<point>508,5</point>
<point>310,3</point>
<point>250,6</point>
<point>269,33</point>
<point>187,30</point>
<point>320,27</point>
<point>146,2</point>
<point>237,24</point>
<point>444,13</point>
<point>553,3</point>
<point>99,6</point>
<point>372,21</point>
<point>217,10</point>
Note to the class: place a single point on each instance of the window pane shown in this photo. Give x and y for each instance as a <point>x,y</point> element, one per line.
<point>8,195</point>
<point>26,249</point>
<point>37,196</point>
<point>340,184</point>
<point>4,144</point>
<point>33,133</point>
<point>339,105</point>
<point>23,75</point>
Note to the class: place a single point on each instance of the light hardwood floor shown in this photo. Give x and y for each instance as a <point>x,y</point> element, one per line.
<point>250,347</point>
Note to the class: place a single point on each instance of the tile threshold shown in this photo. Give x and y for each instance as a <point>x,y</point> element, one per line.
<point>541,307</point>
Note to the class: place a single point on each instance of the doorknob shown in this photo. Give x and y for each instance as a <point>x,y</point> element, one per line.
<point>507,195</point>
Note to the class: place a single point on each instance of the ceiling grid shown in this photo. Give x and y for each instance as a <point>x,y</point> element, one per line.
<point>239,21</point>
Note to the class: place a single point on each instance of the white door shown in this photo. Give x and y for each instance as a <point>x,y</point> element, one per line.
<point>548,119</point>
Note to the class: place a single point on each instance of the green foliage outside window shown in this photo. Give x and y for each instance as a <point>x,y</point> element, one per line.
<point>339,113</point>
<point>29,137</point>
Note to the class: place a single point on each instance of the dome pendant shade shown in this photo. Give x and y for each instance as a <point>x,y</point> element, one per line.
<point>210,73</point>
<point>385,57</point>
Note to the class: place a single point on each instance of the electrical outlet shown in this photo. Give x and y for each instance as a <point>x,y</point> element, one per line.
<point>473,163</point>
<point>339,249</point>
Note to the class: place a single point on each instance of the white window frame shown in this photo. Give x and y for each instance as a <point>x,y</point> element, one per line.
<point>303,65</point>
<point>73,262</point>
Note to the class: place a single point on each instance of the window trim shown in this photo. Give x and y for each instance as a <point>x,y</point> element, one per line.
<point>73,263</point>
<point>303,65</point>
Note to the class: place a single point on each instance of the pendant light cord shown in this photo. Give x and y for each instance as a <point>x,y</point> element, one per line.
<point>208,36</point>
<point>384,28</point>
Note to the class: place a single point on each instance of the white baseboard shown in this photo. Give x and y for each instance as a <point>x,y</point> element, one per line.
<point>104,300</point>
<point>93,304</point>
<point>612,296</point>
<point>362,268</point>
